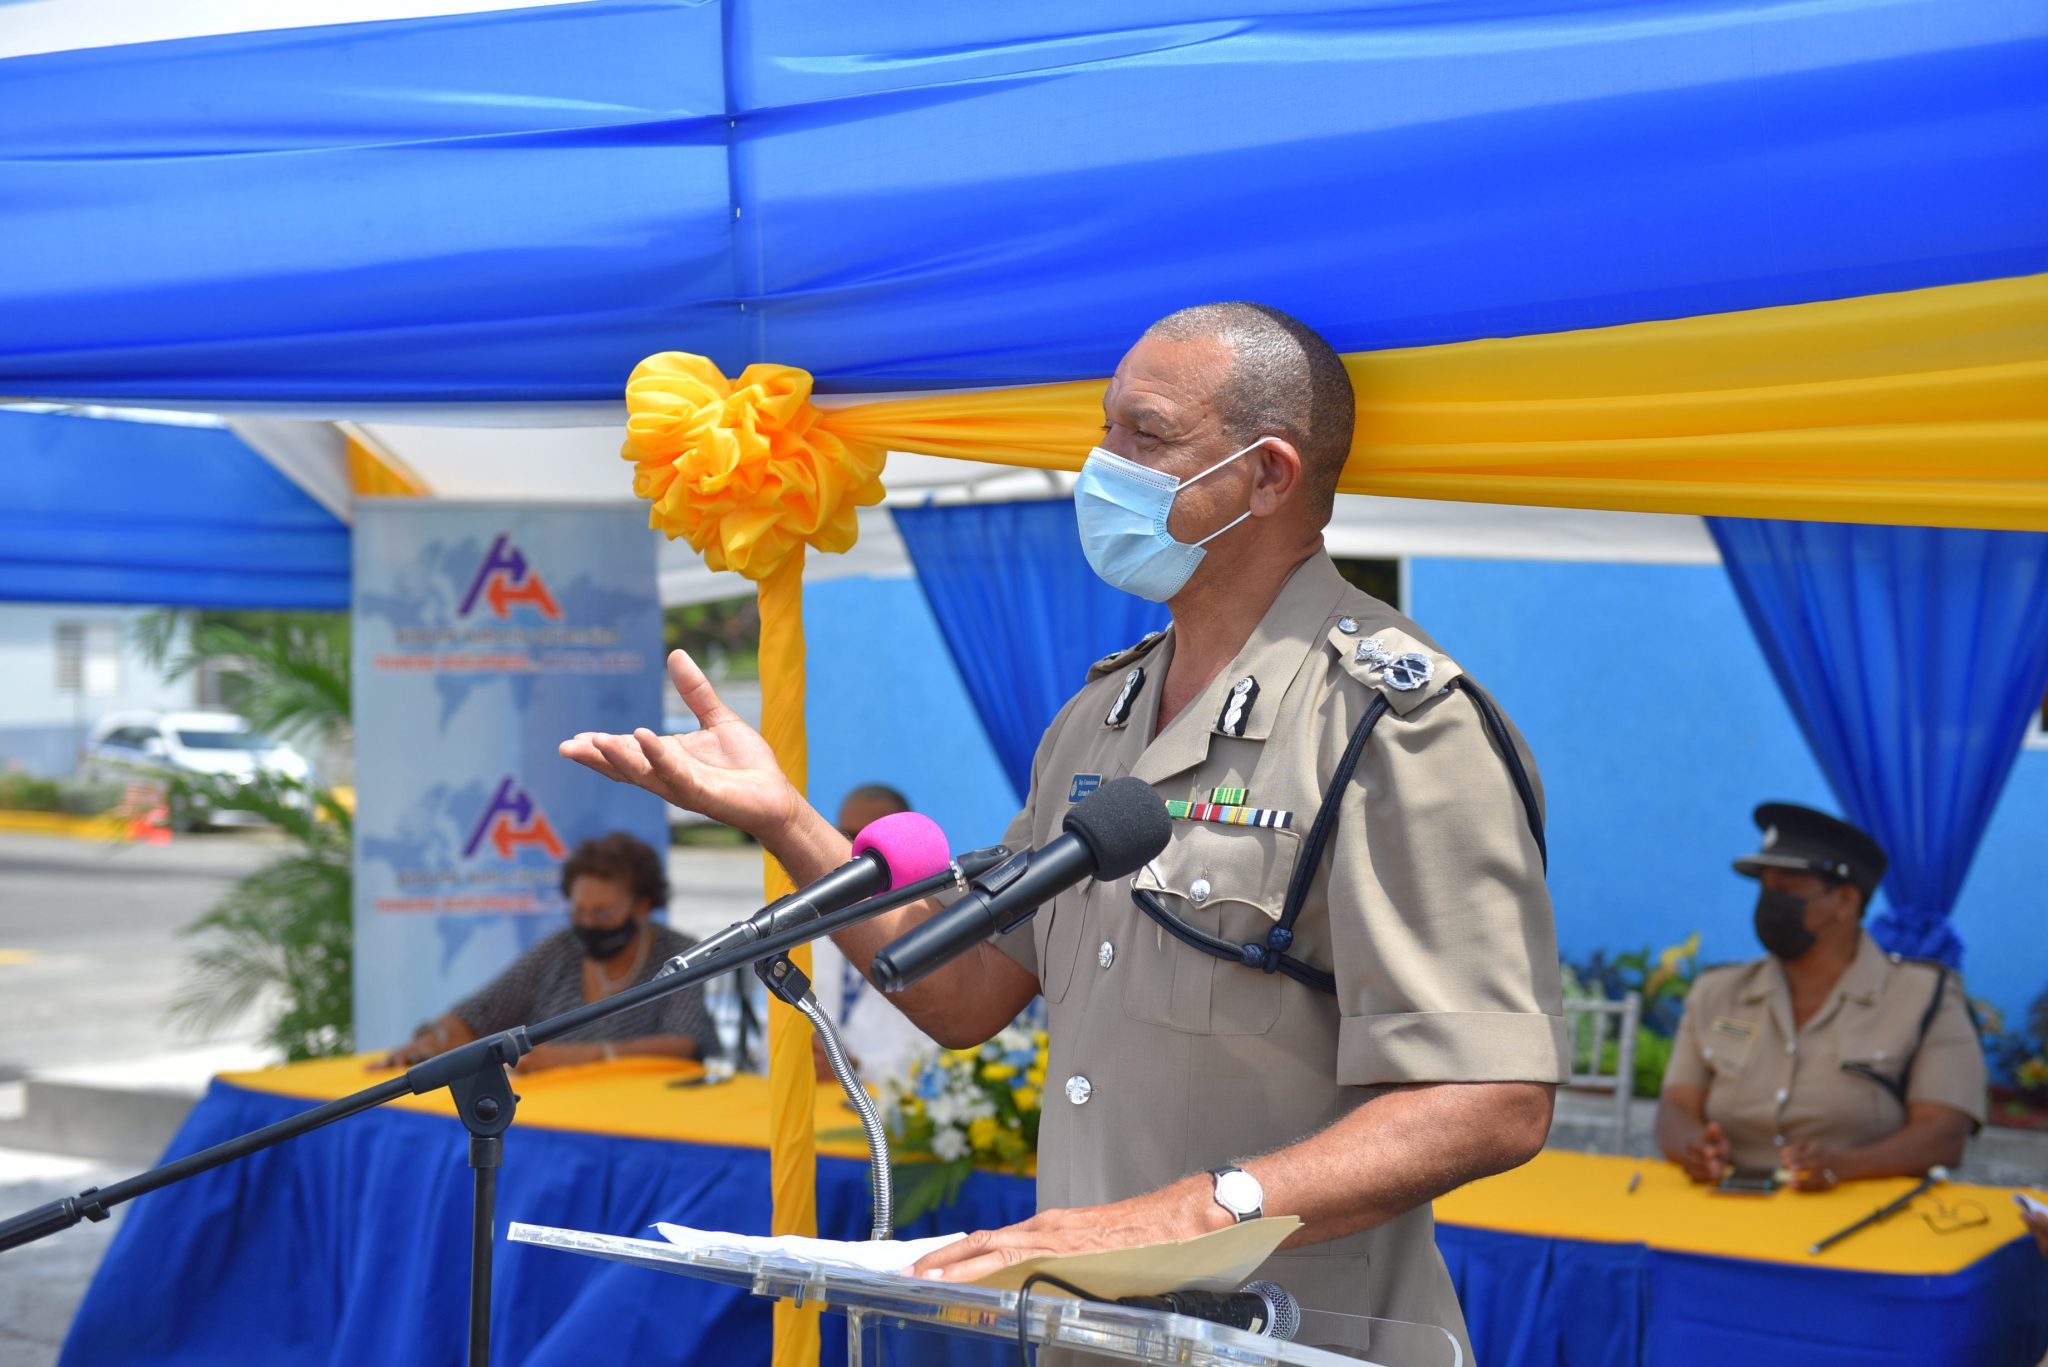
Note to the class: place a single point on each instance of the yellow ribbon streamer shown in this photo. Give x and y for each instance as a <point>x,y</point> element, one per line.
<point>1928,408</point>
<point>746,473</point>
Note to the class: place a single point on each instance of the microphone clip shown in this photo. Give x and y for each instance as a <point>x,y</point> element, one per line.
<point>784,979</point>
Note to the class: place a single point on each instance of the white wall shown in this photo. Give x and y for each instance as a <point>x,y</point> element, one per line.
<point>40,726</point>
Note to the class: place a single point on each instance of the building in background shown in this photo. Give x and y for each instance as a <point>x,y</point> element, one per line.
<point>63,667</point>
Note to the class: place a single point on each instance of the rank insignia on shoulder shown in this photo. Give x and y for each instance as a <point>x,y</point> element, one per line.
<point>1120,710</point>
<point>1237,707</point>
<point>1408,671</point>
<point>1082,786</point>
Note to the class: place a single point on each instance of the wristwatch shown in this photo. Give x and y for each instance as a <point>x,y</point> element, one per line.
<point>1238,1192</point>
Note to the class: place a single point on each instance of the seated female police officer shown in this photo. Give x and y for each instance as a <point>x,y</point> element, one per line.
<point>1828,1057</point>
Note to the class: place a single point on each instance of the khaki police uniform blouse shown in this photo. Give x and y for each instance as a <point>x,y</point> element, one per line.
<point>1769,1085</point>
<point>1429,908</point>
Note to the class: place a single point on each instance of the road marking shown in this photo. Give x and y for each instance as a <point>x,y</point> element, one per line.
<point>10,958</point>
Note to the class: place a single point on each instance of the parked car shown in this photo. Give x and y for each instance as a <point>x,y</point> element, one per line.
<point>131,747</point>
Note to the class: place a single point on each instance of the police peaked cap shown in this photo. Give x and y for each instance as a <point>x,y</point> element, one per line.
<point>1814,842</point>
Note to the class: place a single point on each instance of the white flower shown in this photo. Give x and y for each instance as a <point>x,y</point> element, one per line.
<point>949,1143</point>
<point>947,1108</point>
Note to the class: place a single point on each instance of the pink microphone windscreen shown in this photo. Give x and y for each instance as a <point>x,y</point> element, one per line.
<point>910,843</point>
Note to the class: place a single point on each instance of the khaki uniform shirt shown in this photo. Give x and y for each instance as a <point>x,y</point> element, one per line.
<point>1769,1084</point>
<point>1429,906</point>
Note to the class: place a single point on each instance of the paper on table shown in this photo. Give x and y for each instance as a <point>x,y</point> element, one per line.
<point>888,1255</point>
<point>1222,1260</point>
<point>1219,1261</point>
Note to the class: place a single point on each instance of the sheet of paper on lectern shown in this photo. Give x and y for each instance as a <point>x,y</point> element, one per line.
<point>887,1255</point>
<point>1219,1261</point>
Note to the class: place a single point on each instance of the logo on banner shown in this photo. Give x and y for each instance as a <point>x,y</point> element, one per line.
<point>513,821</point>
<point>506,580</point>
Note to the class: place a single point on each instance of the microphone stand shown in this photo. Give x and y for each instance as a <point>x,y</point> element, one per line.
<point>475,1076</point>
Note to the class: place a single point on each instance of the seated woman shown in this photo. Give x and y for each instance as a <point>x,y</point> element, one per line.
<point>613,884</point>
<point>1828,1058</point>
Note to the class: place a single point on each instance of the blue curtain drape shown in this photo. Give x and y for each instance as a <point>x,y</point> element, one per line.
<point>1913,659</point>
<point>1021,611</point>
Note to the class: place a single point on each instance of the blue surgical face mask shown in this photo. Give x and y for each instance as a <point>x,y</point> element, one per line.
<point>1122,509</point>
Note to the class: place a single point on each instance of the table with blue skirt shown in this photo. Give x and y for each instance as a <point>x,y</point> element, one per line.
<point>350,1245</point>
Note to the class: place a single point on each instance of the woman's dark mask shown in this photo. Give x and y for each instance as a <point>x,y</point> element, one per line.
<point>601,942</point>
<point>1781,924</point>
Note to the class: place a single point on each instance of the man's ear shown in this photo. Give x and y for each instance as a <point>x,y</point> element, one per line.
<point>1276,477</point>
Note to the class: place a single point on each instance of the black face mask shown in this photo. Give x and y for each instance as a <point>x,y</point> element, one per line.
<point>1781,924</point>
<point>601,942</point>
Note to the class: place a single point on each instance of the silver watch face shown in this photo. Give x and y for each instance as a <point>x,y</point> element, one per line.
<point>1238,1192</point>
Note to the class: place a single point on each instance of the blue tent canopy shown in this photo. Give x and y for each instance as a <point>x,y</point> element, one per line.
<point>102,511</point>
<point>519,205</point>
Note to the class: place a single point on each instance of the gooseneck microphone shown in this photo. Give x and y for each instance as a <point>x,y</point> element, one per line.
<point>1108,836</point>
<point>893,852</point>
<point>1263,1308</point>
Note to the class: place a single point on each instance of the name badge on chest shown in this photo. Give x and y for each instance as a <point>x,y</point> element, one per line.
<point>1082,786</point>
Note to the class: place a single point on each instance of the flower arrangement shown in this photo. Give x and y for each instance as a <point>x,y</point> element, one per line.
<point>1662,978</point>
<point>2022,1056</point>
<point>965,1109</point>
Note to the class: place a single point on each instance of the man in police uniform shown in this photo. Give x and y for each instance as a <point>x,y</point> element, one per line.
<point>1402,1033</point>
<point>1827,1058</point>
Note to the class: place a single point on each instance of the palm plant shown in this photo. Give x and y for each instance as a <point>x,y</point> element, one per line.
<point>282,939</point>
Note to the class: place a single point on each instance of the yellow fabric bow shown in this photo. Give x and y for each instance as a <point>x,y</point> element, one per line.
<point>742,469</point>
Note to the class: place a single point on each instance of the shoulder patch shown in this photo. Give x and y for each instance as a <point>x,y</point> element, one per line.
<point>1393,662</point>
<point>1118,659</point>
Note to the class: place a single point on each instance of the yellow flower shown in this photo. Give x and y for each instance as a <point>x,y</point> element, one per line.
<point>981,1132</point>
<point>1027,1097</point>
<point>998,1072</point>
<point>1035,1074</point>
<point>1668,962</point>
<point>2034,1072</point>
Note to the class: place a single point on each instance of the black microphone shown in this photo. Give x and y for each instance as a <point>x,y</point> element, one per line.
<point>1108,836</point>
<point>1263,1308</point>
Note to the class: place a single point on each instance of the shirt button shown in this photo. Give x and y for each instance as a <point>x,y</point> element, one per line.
<point>1348,625</point>
<point>1790,1047</point>
<point>1779,1140</point>
<point>1706,1053</point>
<point>1079,1089</point>
<point>1106,955</point>
<point>1879,1056</point>
<point>1782,1094</point>
<point>1199,893</point>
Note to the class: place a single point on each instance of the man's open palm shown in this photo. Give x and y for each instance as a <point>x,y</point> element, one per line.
<point>724,771</point>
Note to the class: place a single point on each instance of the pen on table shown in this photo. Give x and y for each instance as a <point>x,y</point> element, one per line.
<point>1634,1181</point>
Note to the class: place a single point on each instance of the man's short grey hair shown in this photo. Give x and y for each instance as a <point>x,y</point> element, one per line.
<point>1284,381</point>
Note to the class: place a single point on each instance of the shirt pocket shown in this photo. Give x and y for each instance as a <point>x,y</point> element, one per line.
<point>1226,881</point>
<point>1727,1054</point>
<point>1873,1047</point>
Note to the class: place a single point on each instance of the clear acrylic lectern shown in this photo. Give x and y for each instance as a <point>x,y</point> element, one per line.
<point>880,1306</point>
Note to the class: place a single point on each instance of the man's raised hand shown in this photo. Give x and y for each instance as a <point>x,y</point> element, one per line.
<point>724,771</point>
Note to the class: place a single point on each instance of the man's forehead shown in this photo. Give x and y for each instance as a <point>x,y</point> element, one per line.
<point>1167,380</point>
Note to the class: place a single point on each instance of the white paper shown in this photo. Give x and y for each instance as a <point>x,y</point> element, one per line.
<point>887,1255</point>
<point>2028,1203</point>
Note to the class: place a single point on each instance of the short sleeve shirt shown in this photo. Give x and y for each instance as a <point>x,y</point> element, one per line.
<point>1428,907</point>
<point>548,979</point>
<point>1769,1084</point>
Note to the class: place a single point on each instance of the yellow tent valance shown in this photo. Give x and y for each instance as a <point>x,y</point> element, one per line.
<point>1925,408</point>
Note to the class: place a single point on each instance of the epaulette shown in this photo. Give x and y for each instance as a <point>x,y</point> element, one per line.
<point>1120,658</point>
<point>1705,969</point>
<point>1402,668</point>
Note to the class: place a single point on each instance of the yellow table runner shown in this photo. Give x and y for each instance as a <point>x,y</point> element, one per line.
<point>1559,1194</point>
